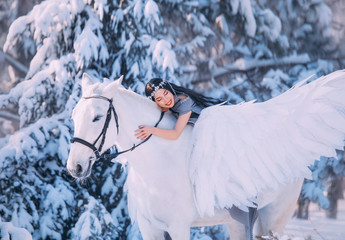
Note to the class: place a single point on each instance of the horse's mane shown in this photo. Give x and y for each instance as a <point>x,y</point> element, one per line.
<point>143,104</point>
<point>98,89</point>
<point>141,99</point>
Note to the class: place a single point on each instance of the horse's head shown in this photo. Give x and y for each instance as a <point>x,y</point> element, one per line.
<point>91,135</point>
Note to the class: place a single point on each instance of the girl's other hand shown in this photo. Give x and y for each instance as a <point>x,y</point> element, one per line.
<point>143,132</point>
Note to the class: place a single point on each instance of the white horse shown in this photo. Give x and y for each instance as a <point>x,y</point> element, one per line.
<point>160,193</point>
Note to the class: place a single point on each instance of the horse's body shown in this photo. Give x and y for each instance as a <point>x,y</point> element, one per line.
<point>160,194</point>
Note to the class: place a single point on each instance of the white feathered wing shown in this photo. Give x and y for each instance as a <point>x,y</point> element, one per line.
<point>240,150</point>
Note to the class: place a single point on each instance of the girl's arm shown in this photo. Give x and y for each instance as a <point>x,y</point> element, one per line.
<point>144,131</point>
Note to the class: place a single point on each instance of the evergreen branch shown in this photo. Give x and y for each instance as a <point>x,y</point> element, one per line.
<point>9,116</point>
<point>243,65</point>
<point>19,66</point>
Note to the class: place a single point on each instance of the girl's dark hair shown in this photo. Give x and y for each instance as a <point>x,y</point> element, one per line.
<point>198,98</point>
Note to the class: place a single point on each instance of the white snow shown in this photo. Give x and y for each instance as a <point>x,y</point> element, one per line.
<point>245,8</point>
<point>151,13</point>
<point>164,56</point>
<point>324,19</point>
<point>137,10</point>
<point>100,6</point>
<point>88,43</point>
<point>270,24</point>
<point>8,231</point>
<point>318,227</point>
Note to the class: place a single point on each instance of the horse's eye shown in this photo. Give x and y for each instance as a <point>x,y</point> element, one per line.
<point>98,117</point>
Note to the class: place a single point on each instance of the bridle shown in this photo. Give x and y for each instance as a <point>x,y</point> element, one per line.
<point>97,151</point>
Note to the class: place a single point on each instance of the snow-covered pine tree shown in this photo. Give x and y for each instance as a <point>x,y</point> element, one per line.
<point>8,231</point>
<point>324,172</point>
<point>237,50</point>
<point>63,39</point>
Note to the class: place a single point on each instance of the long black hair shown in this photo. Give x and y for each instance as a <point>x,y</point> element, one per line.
<point>199,99</point>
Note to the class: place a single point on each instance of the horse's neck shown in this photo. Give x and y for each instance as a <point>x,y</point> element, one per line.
<point>133,111</point>
<point>157,157</point>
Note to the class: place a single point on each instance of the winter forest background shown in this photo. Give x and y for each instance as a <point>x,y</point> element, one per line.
<point>238,50</point>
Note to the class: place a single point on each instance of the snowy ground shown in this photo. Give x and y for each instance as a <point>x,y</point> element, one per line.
<point>318,227</point>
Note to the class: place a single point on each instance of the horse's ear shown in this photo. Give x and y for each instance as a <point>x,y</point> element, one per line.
<point>86,81</point>
<point>116,84</point>
<point>119,81</point>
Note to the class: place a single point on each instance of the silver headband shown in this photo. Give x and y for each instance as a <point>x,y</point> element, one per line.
<point>159,86</point>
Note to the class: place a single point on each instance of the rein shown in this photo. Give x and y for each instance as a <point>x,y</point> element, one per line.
<point>97,151</point>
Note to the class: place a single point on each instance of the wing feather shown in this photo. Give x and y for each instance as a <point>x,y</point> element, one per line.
<point>241,150</point>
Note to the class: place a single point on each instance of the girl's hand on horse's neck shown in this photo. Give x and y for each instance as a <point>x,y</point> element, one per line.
<point>172,134</point>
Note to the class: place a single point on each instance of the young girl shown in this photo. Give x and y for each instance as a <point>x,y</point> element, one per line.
<point>185,104</point>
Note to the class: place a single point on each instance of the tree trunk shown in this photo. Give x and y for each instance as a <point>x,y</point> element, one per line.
<point>335,192</point>
<point>303,208</point>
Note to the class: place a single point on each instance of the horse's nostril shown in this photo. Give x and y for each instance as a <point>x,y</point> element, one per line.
<point>79,169</point>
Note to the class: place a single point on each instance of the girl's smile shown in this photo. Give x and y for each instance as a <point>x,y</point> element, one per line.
<point>169,103</point>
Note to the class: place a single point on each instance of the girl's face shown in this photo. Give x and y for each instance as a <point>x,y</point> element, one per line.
<point>164,98</point>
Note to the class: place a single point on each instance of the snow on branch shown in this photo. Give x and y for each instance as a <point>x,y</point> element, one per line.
<point>91,222</point>
<point>43,94</point>
<point>9,116</point>
<point>199,24</point>
<point>90,44</point>
<point>56,202</point>
<point>8,231</point>
<point>19,66</point>
<point>45,20</point>
<point>100,7</point>
<point>244,7</point>
<point>45,137</point>
<point>244,65</point>
<point>164,57</point>
<point>152,13</point>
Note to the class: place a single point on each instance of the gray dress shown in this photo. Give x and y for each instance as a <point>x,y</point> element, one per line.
<point>183,106</point>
